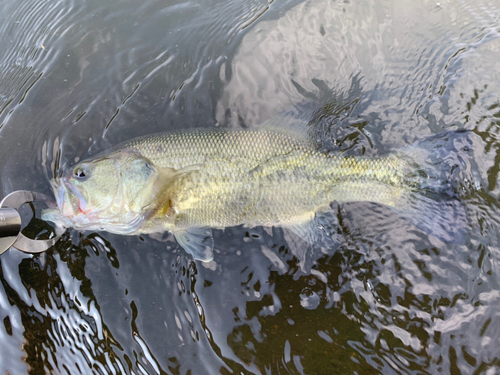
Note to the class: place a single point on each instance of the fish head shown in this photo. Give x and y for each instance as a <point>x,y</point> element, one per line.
<point>111,193</point>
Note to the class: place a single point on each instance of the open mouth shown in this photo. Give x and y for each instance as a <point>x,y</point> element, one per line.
<point>69,199</point>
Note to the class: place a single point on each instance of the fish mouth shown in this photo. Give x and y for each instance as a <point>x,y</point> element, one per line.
<point>73,211</point>
<point>70,200</point>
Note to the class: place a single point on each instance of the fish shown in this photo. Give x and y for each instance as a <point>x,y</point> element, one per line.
<point>190,182</point>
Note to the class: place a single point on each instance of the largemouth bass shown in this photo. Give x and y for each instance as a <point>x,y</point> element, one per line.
<point>189,182</point>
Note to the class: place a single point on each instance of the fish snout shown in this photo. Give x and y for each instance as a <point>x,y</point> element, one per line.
<point>66,200</point>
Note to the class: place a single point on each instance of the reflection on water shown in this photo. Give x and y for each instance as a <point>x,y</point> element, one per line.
<point>368,76</point>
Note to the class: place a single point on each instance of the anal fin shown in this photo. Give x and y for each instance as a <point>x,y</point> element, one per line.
<point>318,229</point>
<point>445,219</point>
<point>307,230</point>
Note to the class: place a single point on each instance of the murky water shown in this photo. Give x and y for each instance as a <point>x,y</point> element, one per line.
<point>79,76</point>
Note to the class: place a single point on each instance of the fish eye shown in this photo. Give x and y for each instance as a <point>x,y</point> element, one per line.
<point>82,172</point>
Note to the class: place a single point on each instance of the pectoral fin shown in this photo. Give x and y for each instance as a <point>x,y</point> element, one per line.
<point>162,185</point>
<point>168,175</point>
<point>198,242</point>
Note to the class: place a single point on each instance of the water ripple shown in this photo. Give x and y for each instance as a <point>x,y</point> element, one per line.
<point>377,296</point>
<point>30,44</point>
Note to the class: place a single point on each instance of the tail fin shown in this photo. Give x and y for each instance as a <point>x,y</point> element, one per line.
<point>433,166</point>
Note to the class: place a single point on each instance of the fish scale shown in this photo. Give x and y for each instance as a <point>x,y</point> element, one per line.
<point>256,177</point>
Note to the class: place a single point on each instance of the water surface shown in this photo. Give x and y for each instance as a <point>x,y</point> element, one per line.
<point>369,76</point>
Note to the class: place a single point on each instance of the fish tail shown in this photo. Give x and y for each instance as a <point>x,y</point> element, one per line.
<point>431,169</point>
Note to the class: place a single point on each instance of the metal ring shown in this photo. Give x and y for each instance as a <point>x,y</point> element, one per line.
<point>15,200</point>
<point>10,227</point>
